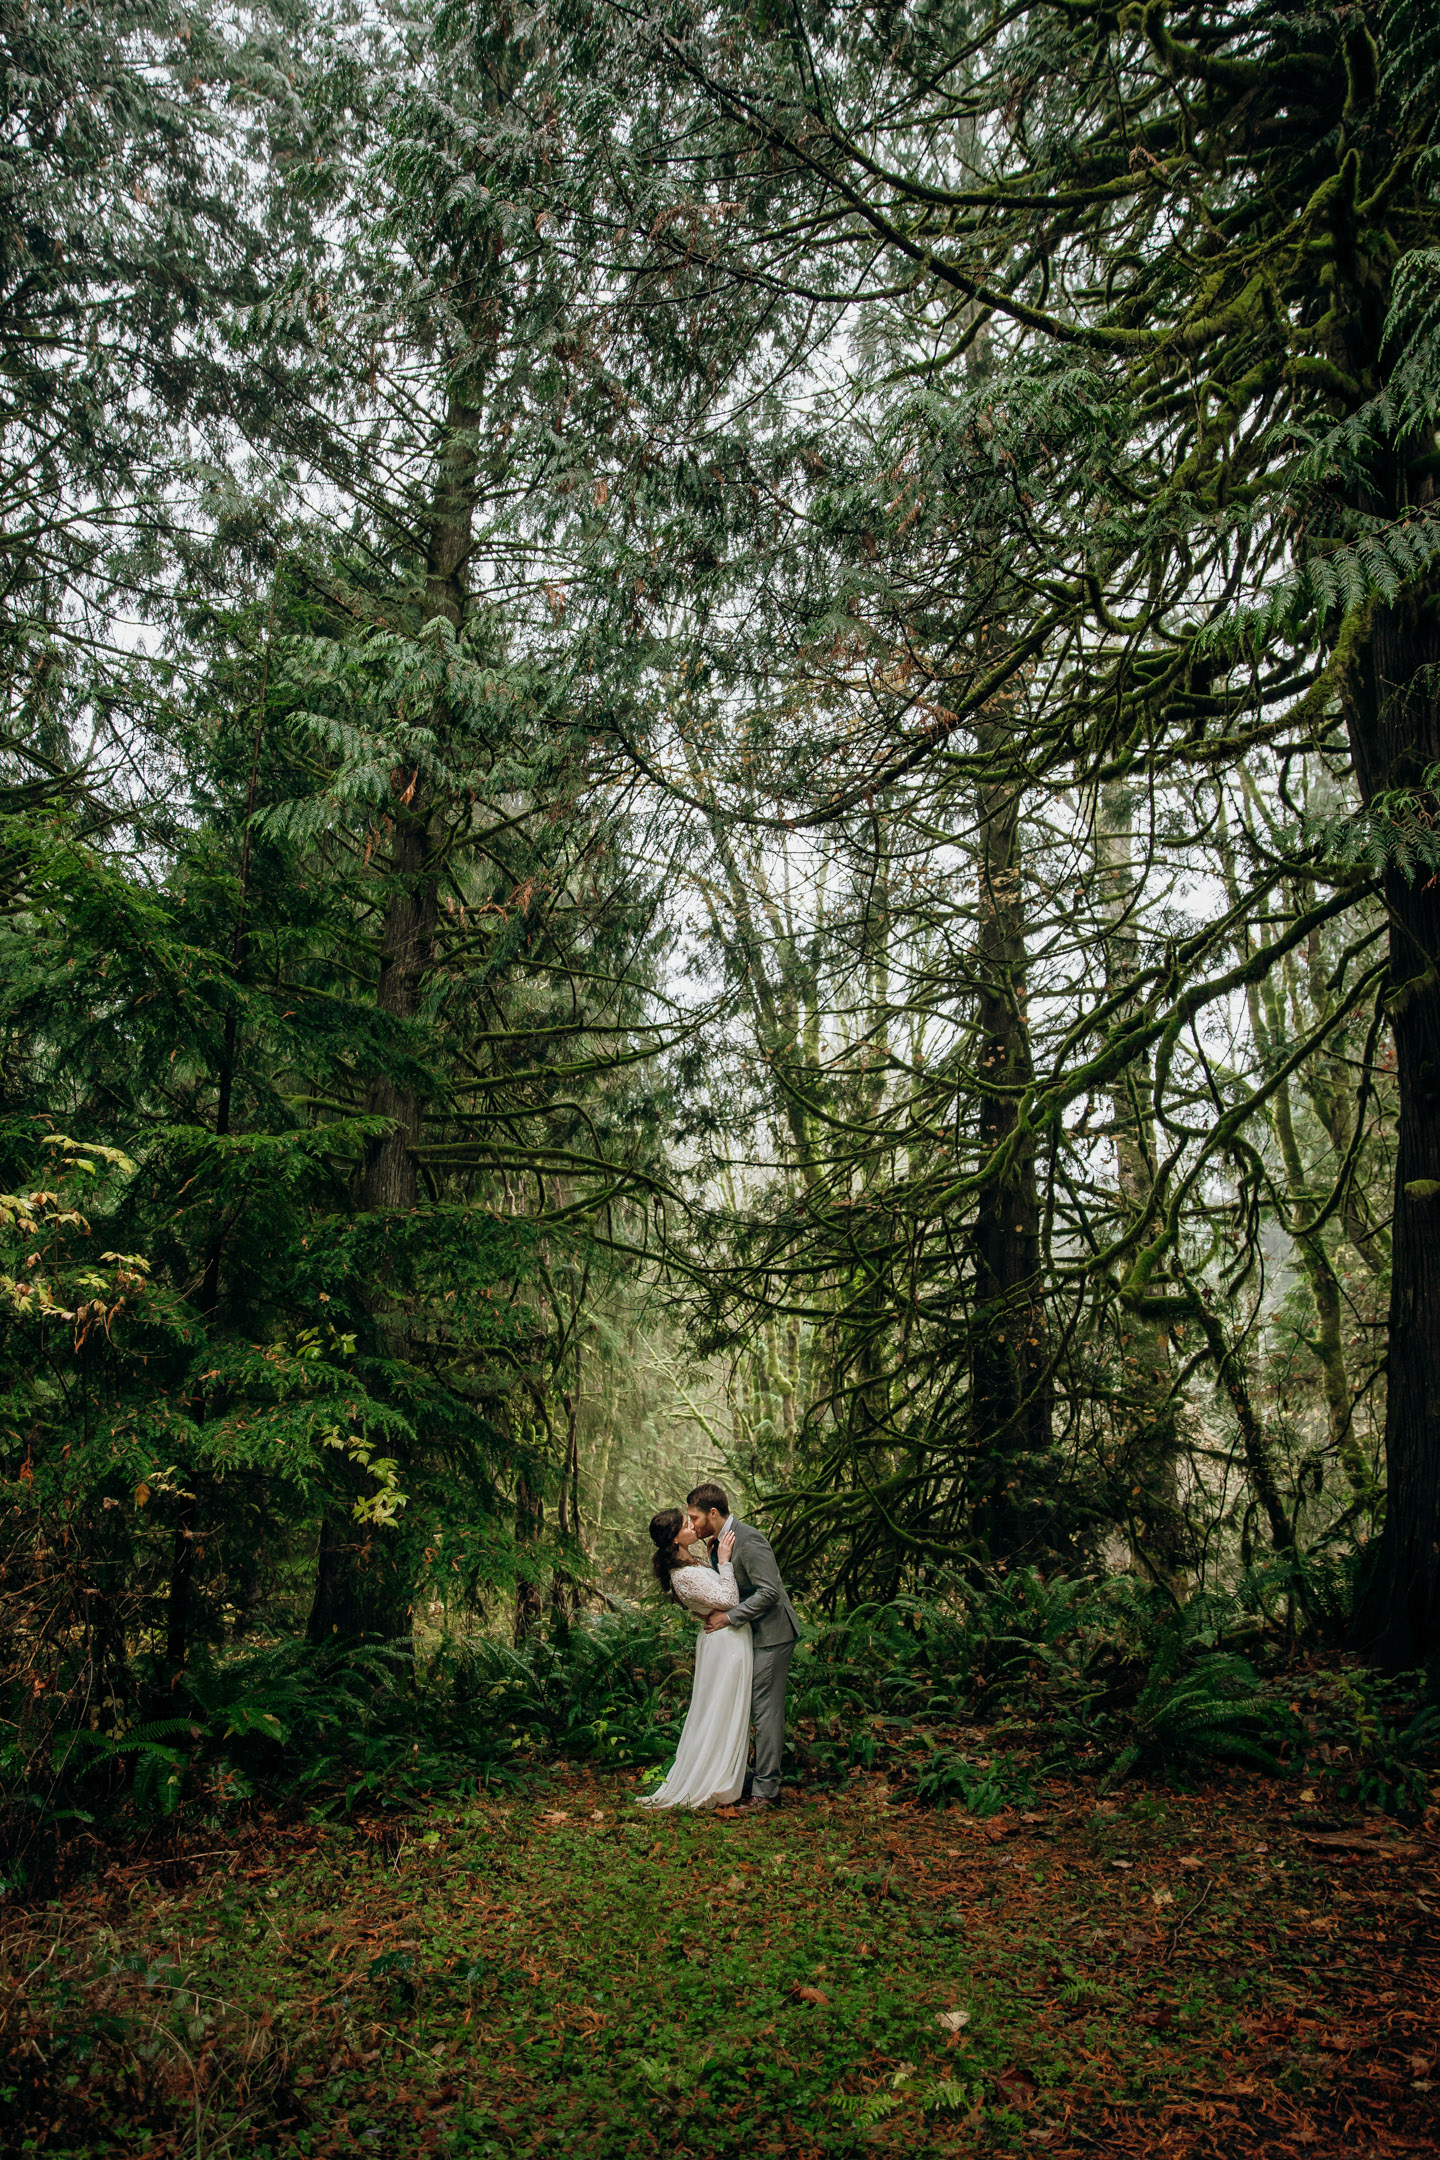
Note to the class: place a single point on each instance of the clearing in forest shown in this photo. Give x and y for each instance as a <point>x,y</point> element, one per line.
<point>1222,1973</point>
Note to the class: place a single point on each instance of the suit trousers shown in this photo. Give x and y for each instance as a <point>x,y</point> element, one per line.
<point>767,1710</point>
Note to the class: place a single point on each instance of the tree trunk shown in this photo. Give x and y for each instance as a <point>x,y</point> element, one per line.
<point>1150,1457</point>
<point>1010,1386</point>
<point>408,935</point>
<point>187,1519</point>
<point>567,1514</point>
<point>363,1587</point>
<point>529,1522</point>
<point>1393,712</point>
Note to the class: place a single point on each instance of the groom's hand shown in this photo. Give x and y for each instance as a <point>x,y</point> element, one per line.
<point>717,1619</point>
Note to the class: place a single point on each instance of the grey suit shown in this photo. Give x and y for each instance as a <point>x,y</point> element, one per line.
<point>767,1612</point>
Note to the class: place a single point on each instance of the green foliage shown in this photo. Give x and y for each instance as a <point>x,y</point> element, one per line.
<point>332,1729</point>
<point>1373,1739</point>
<point>933,2096</point>
<point>628,722</point>
<point>982,1787</point>
<point>1213,1709</point>
<point>611,1689</point>
<point>131,239</point>
<point>1398,829</point>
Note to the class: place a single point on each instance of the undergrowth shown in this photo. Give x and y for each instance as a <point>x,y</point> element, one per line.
<point>963,1697</point>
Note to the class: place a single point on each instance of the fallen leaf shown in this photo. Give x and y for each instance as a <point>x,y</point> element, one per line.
<point>1162,1897</point>
<point>1420,2065</point>
<point>811,1995</point>
<point>1190,1860</point>
<point>1122,1863</point>
<point>559,1815</point>
<point>953,2020</point>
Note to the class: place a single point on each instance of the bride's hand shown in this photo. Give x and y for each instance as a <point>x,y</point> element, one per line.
<point>726,1546</point>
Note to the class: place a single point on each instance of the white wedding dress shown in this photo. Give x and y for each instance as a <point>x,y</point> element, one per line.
<point>709,1765</point>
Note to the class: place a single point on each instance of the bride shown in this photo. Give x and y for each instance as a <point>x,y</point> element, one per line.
<point>709,1765</point>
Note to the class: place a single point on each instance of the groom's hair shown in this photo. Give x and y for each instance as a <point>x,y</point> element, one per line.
<point>705,1497</point>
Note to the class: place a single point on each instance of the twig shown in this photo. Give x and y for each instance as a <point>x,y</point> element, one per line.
<point>1185,1919</point>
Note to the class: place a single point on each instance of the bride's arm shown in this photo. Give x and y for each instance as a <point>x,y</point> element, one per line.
<point>706,1589</point>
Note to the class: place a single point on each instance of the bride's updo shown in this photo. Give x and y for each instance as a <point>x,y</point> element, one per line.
<point>665,1531</point>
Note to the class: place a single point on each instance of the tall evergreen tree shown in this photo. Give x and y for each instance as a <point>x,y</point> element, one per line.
<point>1199,251</point>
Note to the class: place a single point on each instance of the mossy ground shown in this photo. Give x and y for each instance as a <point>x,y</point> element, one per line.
<point>542,1973</point>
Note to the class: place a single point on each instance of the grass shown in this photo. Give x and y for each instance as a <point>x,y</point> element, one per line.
<point>541,1973</point>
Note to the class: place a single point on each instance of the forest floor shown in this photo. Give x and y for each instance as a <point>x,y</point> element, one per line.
<point>1229,1971</point>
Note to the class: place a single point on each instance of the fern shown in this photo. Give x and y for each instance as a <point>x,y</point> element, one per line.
<point>1216,1709</point>
<point>1400,829</point>
<point>156,1762</point>
<point>981,1789</point>
<point>947,2095</point>
<point>1384,557</point>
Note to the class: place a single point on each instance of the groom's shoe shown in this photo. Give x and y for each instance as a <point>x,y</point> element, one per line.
<point>757,1803</point>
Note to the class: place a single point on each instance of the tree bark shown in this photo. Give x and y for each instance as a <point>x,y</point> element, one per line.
<point>1010,1405</point>
<point>529,1523</point>
<point>567,1513</point>
<point>1393,712</point>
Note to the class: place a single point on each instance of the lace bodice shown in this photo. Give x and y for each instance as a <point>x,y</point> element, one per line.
<point>701,1589</point>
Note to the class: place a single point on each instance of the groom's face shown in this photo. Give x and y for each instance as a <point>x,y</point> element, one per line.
<point>706,1524</point>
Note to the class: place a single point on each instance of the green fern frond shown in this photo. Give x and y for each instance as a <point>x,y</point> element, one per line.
<point>947,2095</point>
<point>867,2108</point>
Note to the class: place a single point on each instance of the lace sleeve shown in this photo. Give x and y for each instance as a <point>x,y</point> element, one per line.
<point>703,1588</point>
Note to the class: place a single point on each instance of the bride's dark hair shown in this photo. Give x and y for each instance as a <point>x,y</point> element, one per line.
<point>665,1530</point>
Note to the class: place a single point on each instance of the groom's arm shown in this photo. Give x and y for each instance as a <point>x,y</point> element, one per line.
<point>766,1588</point>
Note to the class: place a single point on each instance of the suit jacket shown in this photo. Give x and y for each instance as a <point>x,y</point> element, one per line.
<point>763,1606</point>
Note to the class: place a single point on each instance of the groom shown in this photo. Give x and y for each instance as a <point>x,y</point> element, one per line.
<point>767,1612</point>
